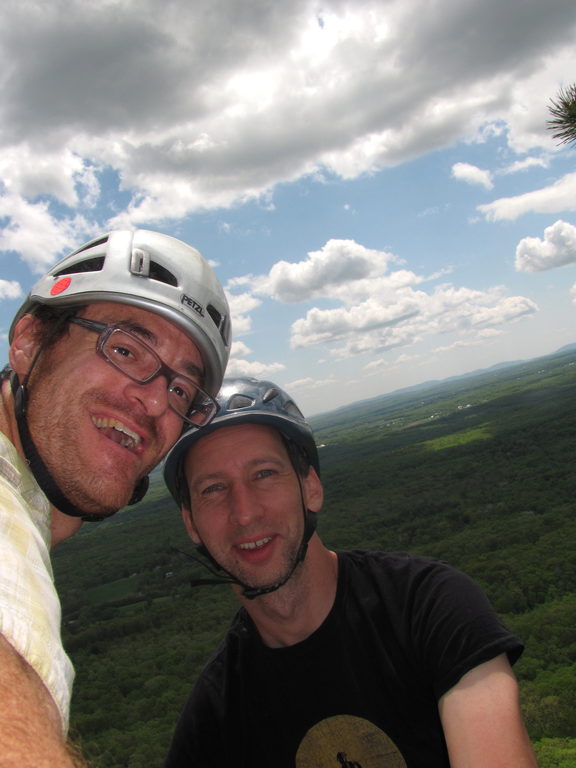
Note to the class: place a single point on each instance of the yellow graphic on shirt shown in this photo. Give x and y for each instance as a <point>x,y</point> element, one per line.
<point>345,741</point>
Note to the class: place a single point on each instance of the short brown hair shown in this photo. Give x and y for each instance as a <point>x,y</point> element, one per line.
<point>53,322</point>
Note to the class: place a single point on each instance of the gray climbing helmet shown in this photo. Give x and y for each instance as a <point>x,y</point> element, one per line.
<point>152,271</point>
<point>244,401</point>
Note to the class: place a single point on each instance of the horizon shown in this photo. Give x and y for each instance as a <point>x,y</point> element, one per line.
<point>431,383</point>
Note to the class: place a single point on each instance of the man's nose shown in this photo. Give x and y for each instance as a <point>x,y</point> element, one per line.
<point>243,505</point>
<point>153,395</point>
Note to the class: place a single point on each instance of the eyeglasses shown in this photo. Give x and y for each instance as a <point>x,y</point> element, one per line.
<point>129,354</point>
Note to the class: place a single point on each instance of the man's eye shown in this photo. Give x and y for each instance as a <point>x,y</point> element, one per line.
<point>266,472</point>
<point>212,488</point>
<point>121,345</point>
<point>122,352</point>
<point>183,391</point>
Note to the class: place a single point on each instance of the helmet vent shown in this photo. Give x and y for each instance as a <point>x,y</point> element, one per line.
<point>291,408</point>
<point>141,265</point>
<point>163,275</point>
<point>91,244</point>
<point>270,394</point>
<point>88,265</point>
<point>237,402</point>
<point>219,321</point>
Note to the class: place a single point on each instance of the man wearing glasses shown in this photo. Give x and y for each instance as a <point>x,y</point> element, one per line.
<point>117,348</point>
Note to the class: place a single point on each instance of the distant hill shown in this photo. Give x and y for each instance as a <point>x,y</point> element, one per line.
<point>472,378</point>
<point>567,348</point>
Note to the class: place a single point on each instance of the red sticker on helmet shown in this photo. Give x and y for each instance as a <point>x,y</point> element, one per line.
<point>60,286</point>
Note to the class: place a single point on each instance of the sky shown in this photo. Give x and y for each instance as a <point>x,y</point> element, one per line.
<point>373,181</point>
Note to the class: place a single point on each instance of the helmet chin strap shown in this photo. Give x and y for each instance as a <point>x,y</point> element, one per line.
<point>38,467</point>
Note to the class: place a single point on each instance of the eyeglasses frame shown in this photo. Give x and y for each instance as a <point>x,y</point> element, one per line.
<point>105,330</point>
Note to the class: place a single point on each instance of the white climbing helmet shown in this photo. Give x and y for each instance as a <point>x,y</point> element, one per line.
<point>149,270</point>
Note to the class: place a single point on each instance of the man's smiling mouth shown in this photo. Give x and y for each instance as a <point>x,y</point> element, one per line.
<point>255,544</point>
<point>118,432</point>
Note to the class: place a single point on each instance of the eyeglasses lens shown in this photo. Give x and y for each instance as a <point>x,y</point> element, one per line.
<point>141,364</point>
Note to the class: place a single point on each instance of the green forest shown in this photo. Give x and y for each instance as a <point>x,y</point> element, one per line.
<point>477,471</point>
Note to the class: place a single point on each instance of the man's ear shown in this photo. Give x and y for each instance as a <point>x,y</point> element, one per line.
<point>190,527</point>
<point>24,345</point>
<point>313,491</point>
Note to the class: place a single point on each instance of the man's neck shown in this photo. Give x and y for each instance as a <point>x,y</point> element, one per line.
<point>63,526</point>
<point>296,610</point>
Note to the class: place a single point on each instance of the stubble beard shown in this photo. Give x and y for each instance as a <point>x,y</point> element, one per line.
<point>90,490</point>
<point>290,562</point>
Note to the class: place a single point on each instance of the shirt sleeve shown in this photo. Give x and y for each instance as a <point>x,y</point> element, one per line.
<point>454,626</point>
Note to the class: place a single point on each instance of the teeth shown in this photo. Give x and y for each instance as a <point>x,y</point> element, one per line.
<point>255,544</point>
<point>129,439</point>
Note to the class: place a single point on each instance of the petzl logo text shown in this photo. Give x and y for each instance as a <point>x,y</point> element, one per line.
<point>193,304</point>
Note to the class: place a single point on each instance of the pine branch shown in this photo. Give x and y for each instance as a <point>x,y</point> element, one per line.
<point>563,111</point>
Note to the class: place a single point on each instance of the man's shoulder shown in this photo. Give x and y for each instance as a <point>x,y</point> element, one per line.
<point>391,562</point>
<point>237,635</point>
<point>395,573</point>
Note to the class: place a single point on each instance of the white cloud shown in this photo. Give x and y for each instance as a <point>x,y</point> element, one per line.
<point>471,174</point>
<point>37,235</point>
<point>239,349</point>
<point>529,96</point>
<point>522,165</point>
<point>65,176</point>
<point>376,366</point>
<point>241,304</point>
<point>241,324</point>
<point>489,333</point>
<point>240,307</point>
<point>301,384</point>
<point>556,249</point>
<point>378,309</point>
<point>10,289</point>
<point>474,339</point>
<point>447,309</point>
<point>328,325</point>
<point>307,384</point>
<point>239,367</point>
<point>460,344</point>
<point>573,293</point>
<point>339,263</point>
<point>558,197</point>
<point>197,106</point>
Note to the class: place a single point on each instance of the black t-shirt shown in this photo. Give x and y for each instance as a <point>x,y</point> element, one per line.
<point>361,691</point>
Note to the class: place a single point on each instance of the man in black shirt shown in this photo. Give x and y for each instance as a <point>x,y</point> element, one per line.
<point>356,659</point>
